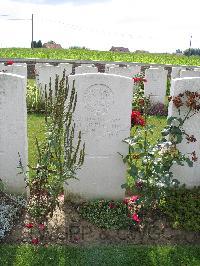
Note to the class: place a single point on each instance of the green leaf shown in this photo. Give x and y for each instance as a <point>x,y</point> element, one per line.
<point>165,132</point>
<point>124,186</point>
<point>170,119</point>
<point>189,162</point>
<point>133,171</point>
<point>179,139</point>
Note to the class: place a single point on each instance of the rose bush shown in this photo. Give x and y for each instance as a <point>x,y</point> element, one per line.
<point>149,165</point>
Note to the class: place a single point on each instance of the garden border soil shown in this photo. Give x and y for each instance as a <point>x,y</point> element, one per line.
<point>66,227</point>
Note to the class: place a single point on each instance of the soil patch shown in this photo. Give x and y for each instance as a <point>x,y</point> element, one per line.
<point>66,227</point>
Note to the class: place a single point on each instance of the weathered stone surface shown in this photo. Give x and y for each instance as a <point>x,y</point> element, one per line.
<point>129,71</point>
<point>156,84</point>
<point>13,130</point>
<point>46,72</point>
<point>18,69</point>
<point>103,115</point>
<point>189,73</point>
<point>86,69</point>
<point>176,72</point>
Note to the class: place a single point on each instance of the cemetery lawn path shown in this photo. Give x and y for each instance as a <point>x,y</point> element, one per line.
<point>26,255</point>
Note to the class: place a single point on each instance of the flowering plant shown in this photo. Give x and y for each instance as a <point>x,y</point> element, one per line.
<point>134,205</point>
<point>59,157</point>
<point>36,232</point>
<point>138,96</point>
<point>149,165</point>
<point>137,119</point>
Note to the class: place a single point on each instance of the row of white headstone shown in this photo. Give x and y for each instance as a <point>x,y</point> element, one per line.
<point>156,77</point>
<point>103,115</point>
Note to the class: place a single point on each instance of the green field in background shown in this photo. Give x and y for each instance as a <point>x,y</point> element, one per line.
<point>83,54</point>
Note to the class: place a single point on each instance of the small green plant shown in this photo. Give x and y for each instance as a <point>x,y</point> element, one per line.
<point>106,214</point>
<point>59,156</point>
<point>34,99</point>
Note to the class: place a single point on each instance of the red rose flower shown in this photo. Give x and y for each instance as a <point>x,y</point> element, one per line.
<point>135,218</point>
<point>9,63</point>
<point>138,79</point>
<point>35,241</point>
<point>29,225</point>
<point>137,119</point>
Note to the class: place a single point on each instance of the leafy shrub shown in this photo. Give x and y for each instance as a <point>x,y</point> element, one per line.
<point>60,154</point>
<point>150,164</point>
<point>106,214</point>
<point>182,207</point>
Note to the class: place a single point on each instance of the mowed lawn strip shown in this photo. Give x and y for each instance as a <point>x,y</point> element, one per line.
<point>26,255</point>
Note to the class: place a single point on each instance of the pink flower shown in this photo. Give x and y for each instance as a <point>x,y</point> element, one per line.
<point>136,218</point>
<point>41,226</point>
<point>35,241</point>
<point>134,198</point>
<point>29,225</point>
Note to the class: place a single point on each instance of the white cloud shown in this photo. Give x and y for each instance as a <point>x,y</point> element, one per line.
<point>150,25</point>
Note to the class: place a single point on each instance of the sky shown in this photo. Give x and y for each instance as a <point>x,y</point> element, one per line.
<point>151,25</point>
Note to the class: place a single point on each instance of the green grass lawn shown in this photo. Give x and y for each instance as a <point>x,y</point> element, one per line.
<point>26,255</point>
<point>36,128</point>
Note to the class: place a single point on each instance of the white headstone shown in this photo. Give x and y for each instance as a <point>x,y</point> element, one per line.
<point>47,72</point>
<point>156,84</point>
<point>102,114</point>
<point>185,174</point>
<point>13,130</point>
<point>15,68</point>
<point>189,73</point>
<point>86,69</point>
<point>176,72</point>
<point>107,67</point>
<point>129,71</point>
